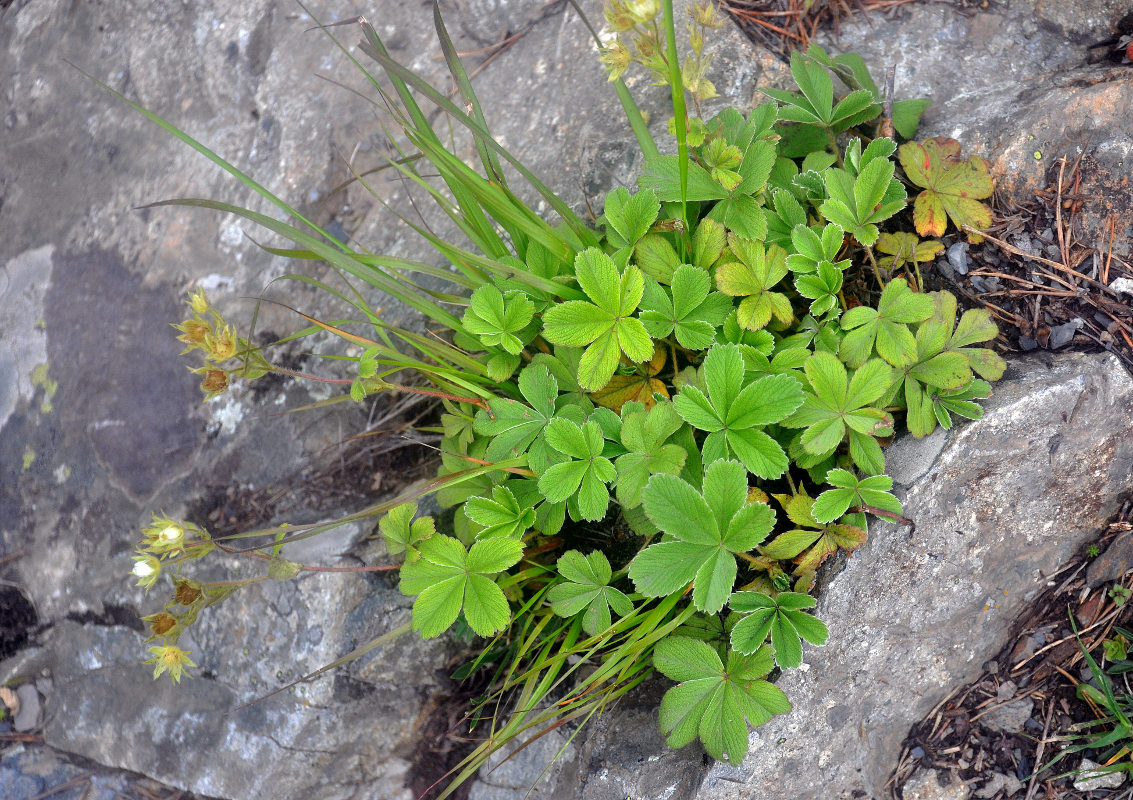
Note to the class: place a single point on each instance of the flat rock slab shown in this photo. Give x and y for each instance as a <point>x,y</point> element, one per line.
<point>999,504</point>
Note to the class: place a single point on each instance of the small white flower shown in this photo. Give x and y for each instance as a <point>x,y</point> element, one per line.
<point>171,535</point>
<point>142,569</point>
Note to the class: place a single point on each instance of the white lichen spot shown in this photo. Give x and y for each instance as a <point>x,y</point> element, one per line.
<point>62,474</point>
<point>227,414</point>
<point>214,282</point>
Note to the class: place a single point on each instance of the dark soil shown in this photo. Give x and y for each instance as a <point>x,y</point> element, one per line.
<point>1044,662</point>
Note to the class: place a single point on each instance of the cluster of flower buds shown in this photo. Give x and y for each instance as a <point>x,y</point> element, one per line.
<point>207,331</point>
<point>169,542</point>
<point>637,21</point>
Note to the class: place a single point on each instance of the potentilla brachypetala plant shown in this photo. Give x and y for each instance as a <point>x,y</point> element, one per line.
<point>657,426</point>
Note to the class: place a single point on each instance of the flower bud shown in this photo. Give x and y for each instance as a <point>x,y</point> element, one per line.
<point>215,382</point>
<point>161,623</point>
<point>197,301</point>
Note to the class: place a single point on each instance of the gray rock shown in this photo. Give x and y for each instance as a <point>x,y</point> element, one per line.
<point>1011,717</point>
<point>1062,335</point>
<point>31,709</point>
<point>1009,785</point>
<point>1008,498</point>
<point>1089,778</point>
<point>1011,83</point>
<point>958,257</point>
<point>1114,563</point>
<point>925,784</point>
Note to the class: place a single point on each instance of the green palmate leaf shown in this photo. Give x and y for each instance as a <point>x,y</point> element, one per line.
<point>496,318</point>
<point>840,407</point>
<point>959,402</point>
<point>692,312</point>
<point>401,534</point>
<point>707,529</point>
<point>822,286</point>
<point>975,326</point>
<point>783,618</point>
<point>587,590</point>
<point>722,159</point>
<point>907,116</point>
<point>953,186</point>
<point>604,325</point>
<point>513,425</point>
<point>585,475</point>
<point>752,276</point>
<point>662,175</point>
<point>906,248</point>
<point>628,218</point>
<point>851,491</point>
<point>708,242</point>
<point>858,204</point>
<point>644,434</point>
<point>712,700</point>
<point>448,579</point>
<point>656,257</point>
<point>885,327</point>
<point>501,515</point>
<point>734,414</point>
<point>787,214</point>
<point>811,249</point>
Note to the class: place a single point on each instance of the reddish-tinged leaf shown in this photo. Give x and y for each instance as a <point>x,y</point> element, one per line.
<point>952,186</point>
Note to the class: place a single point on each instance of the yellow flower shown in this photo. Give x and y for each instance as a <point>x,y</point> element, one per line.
<point>220,345</point>
<point>197,301</point>
<point>171,659</point>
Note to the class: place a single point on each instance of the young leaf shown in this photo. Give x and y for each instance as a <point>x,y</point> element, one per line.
<point>838,407</point>
<point>822,286</point>
<point>906,248</point>
<point>858,204</point>
<point>604,324</point>
<point>885,327</point>
<point>706,529</point>
<point>708,242</point>
<point>907,116</point>
<point>734,414</point>
<point>952,186</point>
<point>401,535</point>
<point>850,491</point>
<point>656,257</point>
<point>512,425</point>
<point>628,217</point>
<point>585,474</point>
<point>496,318</point>
<point>692,313</point>
<point>501,515</point>
<point>783,618</point>
<point>811,249</point>
<point>752,277</point>
<point>447,580</point>
<point>587,588</point>
<point>714,701</point>
<point>644,434</point>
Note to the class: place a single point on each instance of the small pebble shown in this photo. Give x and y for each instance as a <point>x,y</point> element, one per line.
<point>1026,344</point>
<point>958,257</point>
<point>917,752</point>
<point>1062,335</point>
<point>1089,779</point>
<point>28,717</point>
